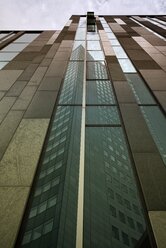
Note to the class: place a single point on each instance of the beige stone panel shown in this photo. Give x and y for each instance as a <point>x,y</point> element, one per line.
<point>161,48</point>
<point>53,38</point>
<point>8,77</point>
<point>19,162</point>
<point>13,200</point>
<point>116,28</point>
<point>158,222</point>
<point>159,58</point>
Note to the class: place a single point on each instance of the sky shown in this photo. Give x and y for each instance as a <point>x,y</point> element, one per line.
<point>53,14</point>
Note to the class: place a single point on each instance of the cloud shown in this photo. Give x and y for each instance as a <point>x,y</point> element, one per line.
<point>53,14</point>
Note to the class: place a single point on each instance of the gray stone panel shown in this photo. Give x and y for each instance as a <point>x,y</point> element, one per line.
<point>50,83</point>
<point>152,173</point>
<point>137,131</point>
<point>16,88</point>
<point>25,98</point>
<point>8,128</point>
<point>7,78</point>
<point>41,105</point>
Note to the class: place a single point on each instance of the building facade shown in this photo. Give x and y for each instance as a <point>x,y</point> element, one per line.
<point>83,134</point>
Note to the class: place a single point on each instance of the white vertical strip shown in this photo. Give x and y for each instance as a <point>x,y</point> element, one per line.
<point>80,206</point>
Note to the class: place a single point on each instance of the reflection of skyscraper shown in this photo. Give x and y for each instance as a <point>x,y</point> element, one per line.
<point>101,168</point>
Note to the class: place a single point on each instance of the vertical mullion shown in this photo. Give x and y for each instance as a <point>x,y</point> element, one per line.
<point>79,228</point>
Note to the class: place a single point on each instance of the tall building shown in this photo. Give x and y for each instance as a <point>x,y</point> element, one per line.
<point>83,134</point>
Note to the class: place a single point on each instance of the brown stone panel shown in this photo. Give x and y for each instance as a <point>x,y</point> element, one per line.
<point>116,72</point>
<point>26,56</point>
<point>161,97</point>
<point>46,62</point>
<point>111,59</point>
<point>137,131</point>
<point>139,54</point>
<point>29,71</point>
<point>5,105</point>
<point>116,28</point>
<point>25,98</point>
<point>143,64</point>
<point>50,83</point>
<point>73,27</point>
<point>61,56</point>
<point>8,77</point>
<point>129,43</point>
<point>141,30</point>
<point>155,28</point>
<point>16,88</point>
<point>45,49</point>
<point>42,105</point>
<point>154,40</point>
<point>69,35</point>
<point>38,59</point>
<point>99,25</point>
<point>156,79</point>
<point>51,53</point>
<point>123,92</point>
<point>109,19</point>
<point>56,69</point>
<point>159,58</point>
<point>17,65</point>
<point>152,173</point>
<point>75,18</point>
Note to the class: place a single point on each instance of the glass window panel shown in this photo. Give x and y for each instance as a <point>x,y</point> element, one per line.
<point>92,36</point>
<point>96,70</point>
<point>27,38</point>
<point>126,65</point>
<point>27,238</point>
<point>48,226</point>
<point>125,238</point>
<point>42,207</point>
<point>7,56</point>
<point>80,34</point>
<point>139,89</point>
<point>93,45</point>
<point>108,30</point>
<point>2,64</point>
<point>73,82</point>
<point>82,22</point>
<point>37,232</point>
<point>102,115</point>
<point>111,36</point>
<point>119,52</point>
<point>99,92</point>
<point>114,42</point>
<point>156,122</point>
<point>115,232</point>
<point>95,55</point>
<point>33,212</point>
<point>103,151</point>
<point>15,47</point>
<point>52,201</point>
<point>78,50</point>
